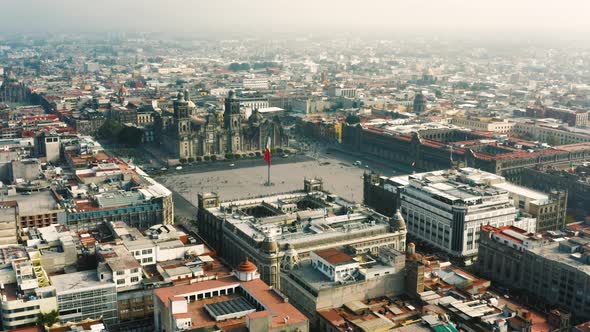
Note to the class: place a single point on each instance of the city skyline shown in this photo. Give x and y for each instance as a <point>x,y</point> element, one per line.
<point>532,20</point>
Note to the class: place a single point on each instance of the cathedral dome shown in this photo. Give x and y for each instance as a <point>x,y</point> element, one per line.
<point>255,118</point>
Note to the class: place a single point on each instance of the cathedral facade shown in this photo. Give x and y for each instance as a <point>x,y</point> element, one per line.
<point>12,91</point>
<point>188,136</point>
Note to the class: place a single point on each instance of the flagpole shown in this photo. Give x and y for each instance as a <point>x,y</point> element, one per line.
<point>267,158</point>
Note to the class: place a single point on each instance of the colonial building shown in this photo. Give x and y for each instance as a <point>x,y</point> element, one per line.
<point>552,270</point>
<point>278,231</point>
<point>190,135</point>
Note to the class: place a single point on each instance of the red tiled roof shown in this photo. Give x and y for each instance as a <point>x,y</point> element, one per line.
<point>246,266</point>
<point>334,256</point>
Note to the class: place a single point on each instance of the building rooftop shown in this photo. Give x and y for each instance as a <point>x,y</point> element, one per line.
<point>298,218</point>
<point>272,302</point>
<point>380,314</point>
<point>77,281</point>
<point>572,251</point>
<point>335,256</point>
<point>36,203</point>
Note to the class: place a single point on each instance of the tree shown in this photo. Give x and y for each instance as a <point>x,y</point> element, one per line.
<point>438,93</point>
<point>130,135</point>
<point>48,318</point>
<point>353,119</point>
<point>110,130</point>
<point>553,140</point>
<point>234,66</point>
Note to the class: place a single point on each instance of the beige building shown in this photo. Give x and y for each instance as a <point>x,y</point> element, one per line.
<point>270,229</point>
<point>547,132</point>
<point>484,124</point>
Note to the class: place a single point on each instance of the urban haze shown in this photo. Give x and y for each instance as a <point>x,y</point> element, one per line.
<point>338,166</point>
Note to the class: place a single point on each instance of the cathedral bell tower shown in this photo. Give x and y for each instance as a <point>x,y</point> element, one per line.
<point>182,126</point>
<point>232,120</point>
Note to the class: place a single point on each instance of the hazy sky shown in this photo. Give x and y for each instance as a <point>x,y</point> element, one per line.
<point>530,17</point>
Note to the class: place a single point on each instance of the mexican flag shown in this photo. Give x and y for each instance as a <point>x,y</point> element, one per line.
<point>267,152</point>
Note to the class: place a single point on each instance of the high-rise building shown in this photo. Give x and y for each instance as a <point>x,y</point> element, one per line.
<point>445,210</point>
<point>535,210</point>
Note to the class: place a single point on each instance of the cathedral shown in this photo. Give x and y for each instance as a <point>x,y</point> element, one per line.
<point>188,135</point>
<point>12,91</point>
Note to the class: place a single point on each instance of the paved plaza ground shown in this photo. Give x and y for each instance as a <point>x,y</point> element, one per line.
<point>339,177</point>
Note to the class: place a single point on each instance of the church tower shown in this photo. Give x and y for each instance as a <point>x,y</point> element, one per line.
<point>182,127</point>
<point>232,120</point>
<point>419,105</point>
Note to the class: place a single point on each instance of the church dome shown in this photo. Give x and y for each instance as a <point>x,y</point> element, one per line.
<point>397,222</point>
<point>246,266</point>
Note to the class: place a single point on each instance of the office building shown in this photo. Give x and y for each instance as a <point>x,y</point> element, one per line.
<point>82,295</point>
<point>536,211</point>
<point>255,83</point>
<point>447,211</point>
<point>39,209</point>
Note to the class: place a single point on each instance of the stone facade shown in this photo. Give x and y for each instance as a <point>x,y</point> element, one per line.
<point>189,136</point>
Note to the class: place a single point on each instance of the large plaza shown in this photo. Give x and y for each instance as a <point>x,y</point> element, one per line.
<point>339,177</point>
